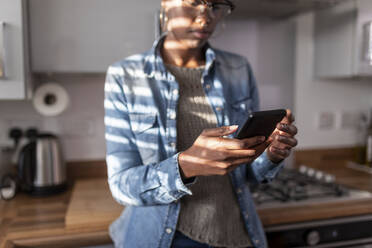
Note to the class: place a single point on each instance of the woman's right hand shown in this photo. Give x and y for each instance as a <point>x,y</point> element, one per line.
<point>213,154</point>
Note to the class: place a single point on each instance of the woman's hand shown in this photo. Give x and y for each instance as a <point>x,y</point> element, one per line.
<point>282,139</point>
<point>212,154</point>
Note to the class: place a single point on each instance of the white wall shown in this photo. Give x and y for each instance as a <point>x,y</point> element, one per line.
<point>275,63</point>
<point>239,36</point>
<point>269,47</point>
<point>313,96</point>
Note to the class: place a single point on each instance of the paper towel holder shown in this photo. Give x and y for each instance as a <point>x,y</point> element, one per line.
<point>50,99</point>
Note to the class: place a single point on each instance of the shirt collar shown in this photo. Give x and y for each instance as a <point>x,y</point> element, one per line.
<point>154,64</point>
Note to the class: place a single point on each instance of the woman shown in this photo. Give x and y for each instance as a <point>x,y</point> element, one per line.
<point>170,117</point>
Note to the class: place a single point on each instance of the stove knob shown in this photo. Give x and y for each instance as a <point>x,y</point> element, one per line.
<point>303,169</point>
<point>312,238</point>
<point>328,178</point>
<point>310,172</point>
<point>319,175</point>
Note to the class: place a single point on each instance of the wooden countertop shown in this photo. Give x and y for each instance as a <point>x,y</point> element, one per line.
<point>81,215</point>
<point>28,221</point>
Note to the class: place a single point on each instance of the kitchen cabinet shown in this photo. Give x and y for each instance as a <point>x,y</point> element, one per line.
<point>15,80</point>
<point>279,9</point>
<point>86,36</point>
<point>342,40</point>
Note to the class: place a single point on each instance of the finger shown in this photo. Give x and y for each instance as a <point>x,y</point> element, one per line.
<point>232,144</point>
<point>229,154</point>
<point>276,158</point>
<point>253,141</point>
<point>223,172</point>
<point>232,168</point>
<point>279,152</point>
<point>220,131</point>
<point>287,128</point>
<point>289,118</point>
<point>292,142</point>
<point>230,163</point>
<point>240,161</point>
<point>280,145</point>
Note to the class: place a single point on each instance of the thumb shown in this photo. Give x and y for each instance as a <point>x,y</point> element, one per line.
<point>289,118</point>
<point>220,131</point>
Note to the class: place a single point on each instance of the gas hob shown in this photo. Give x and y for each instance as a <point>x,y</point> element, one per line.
<point>301,186</point>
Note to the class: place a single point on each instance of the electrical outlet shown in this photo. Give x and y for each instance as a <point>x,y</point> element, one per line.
<point>25,124</point>
<point>326,120</point>
<point>350,119</point>
<point>4,127</point>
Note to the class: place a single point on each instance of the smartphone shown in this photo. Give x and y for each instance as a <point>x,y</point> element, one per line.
<point>261,123</point>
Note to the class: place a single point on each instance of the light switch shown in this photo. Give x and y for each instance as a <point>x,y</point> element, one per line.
<point>350,119</point>
<point>326,120</point>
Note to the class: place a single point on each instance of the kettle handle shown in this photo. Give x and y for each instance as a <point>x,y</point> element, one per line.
<point>26,173</point>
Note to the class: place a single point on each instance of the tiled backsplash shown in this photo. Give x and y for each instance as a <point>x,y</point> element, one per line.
<point>80,127</point>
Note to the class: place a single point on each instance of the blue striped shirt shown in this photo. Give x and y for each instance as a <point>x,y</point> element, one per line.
<point>140,123</point>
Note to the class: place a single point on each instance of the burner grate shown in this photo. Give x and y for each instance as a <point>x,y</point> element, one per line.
<point>299,185</point>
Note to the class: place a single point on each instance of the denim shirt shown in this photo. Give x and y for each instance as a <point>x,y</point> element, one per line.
<point>140,124</point>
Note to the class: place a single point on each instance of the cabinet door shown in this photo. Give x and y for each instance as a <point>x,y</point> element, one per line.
<point>13,47</point>
<point>334,41</point>
<point>86,36</point>
<point>363,66</point>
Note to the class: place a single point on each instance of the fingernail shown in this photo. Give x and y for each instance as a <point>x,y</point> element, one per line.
<point>233,127</point>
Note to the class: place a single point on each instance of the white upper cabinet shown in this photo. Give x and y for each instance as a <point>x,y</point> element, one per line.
<point>86,36</point>
<point>342,41</point>
<point>14,71</point>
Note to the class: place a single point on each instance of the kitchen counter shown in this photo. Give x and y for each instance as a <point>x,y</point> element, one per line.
<point>81,216</point>
<point>28,221</point>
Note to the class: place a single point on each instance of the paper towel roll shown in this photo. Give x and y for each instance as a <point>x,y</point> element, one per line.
<point>50,99</point>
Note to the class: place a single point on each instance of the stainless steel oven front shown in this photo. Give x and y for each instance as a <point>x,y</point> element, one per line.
<point>351,232</point>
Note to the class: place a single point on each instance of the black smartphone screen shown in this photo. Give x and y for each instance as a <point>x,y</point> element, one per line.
<point>261,123</point>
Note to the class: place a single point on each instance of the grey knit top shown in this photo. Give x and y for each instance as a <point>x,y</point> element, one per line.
<point>211,214</point>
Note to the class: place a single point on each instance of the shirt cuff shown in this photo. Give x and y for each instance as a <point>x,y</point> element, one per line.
<point>182,184</point>
<point>265,169</point>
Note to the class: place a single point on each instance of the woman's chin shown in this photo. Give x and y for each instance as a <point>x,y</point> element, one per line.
<point>196,43</point>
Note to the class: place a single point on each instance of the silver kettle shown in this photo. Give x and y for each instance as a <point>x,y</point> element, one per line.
<point>41,168</point>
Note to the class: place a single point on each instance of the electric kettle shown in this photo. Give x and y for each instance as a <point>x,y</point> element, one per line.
<point>41,168</point>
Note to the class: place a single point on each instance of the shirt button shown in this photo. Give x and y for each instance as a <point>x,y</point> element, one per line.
<point>218,109</point>
<point>246,215</point>
<point>168,230</point>
<point>208,86</point>
<point>173,116</point>
<point>173,144</point>
<point>175,92</point>
<point>239,190</point>
<point>257,241</point>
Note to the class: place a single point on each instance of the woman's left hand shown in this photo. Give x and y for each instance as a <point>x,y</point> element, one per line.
<point>283,139</point>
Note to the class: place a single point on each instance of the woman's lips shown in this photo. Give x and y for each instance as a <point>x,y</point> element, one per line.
<point>201,34</point>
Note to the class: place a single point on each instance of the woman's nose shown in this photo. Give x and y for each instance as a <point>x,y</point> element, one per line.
<point>203,18</point>
<point>203,21</point>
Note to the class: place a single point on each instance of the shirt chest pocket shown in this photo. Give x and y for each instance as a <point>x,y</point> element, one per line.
<point>146,130</point>
<point>240,110</point>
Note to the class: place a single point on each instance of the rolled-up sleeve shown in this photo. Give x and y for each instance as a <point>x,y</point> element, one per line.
<point>130,181</point>
<point>262,170</point>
